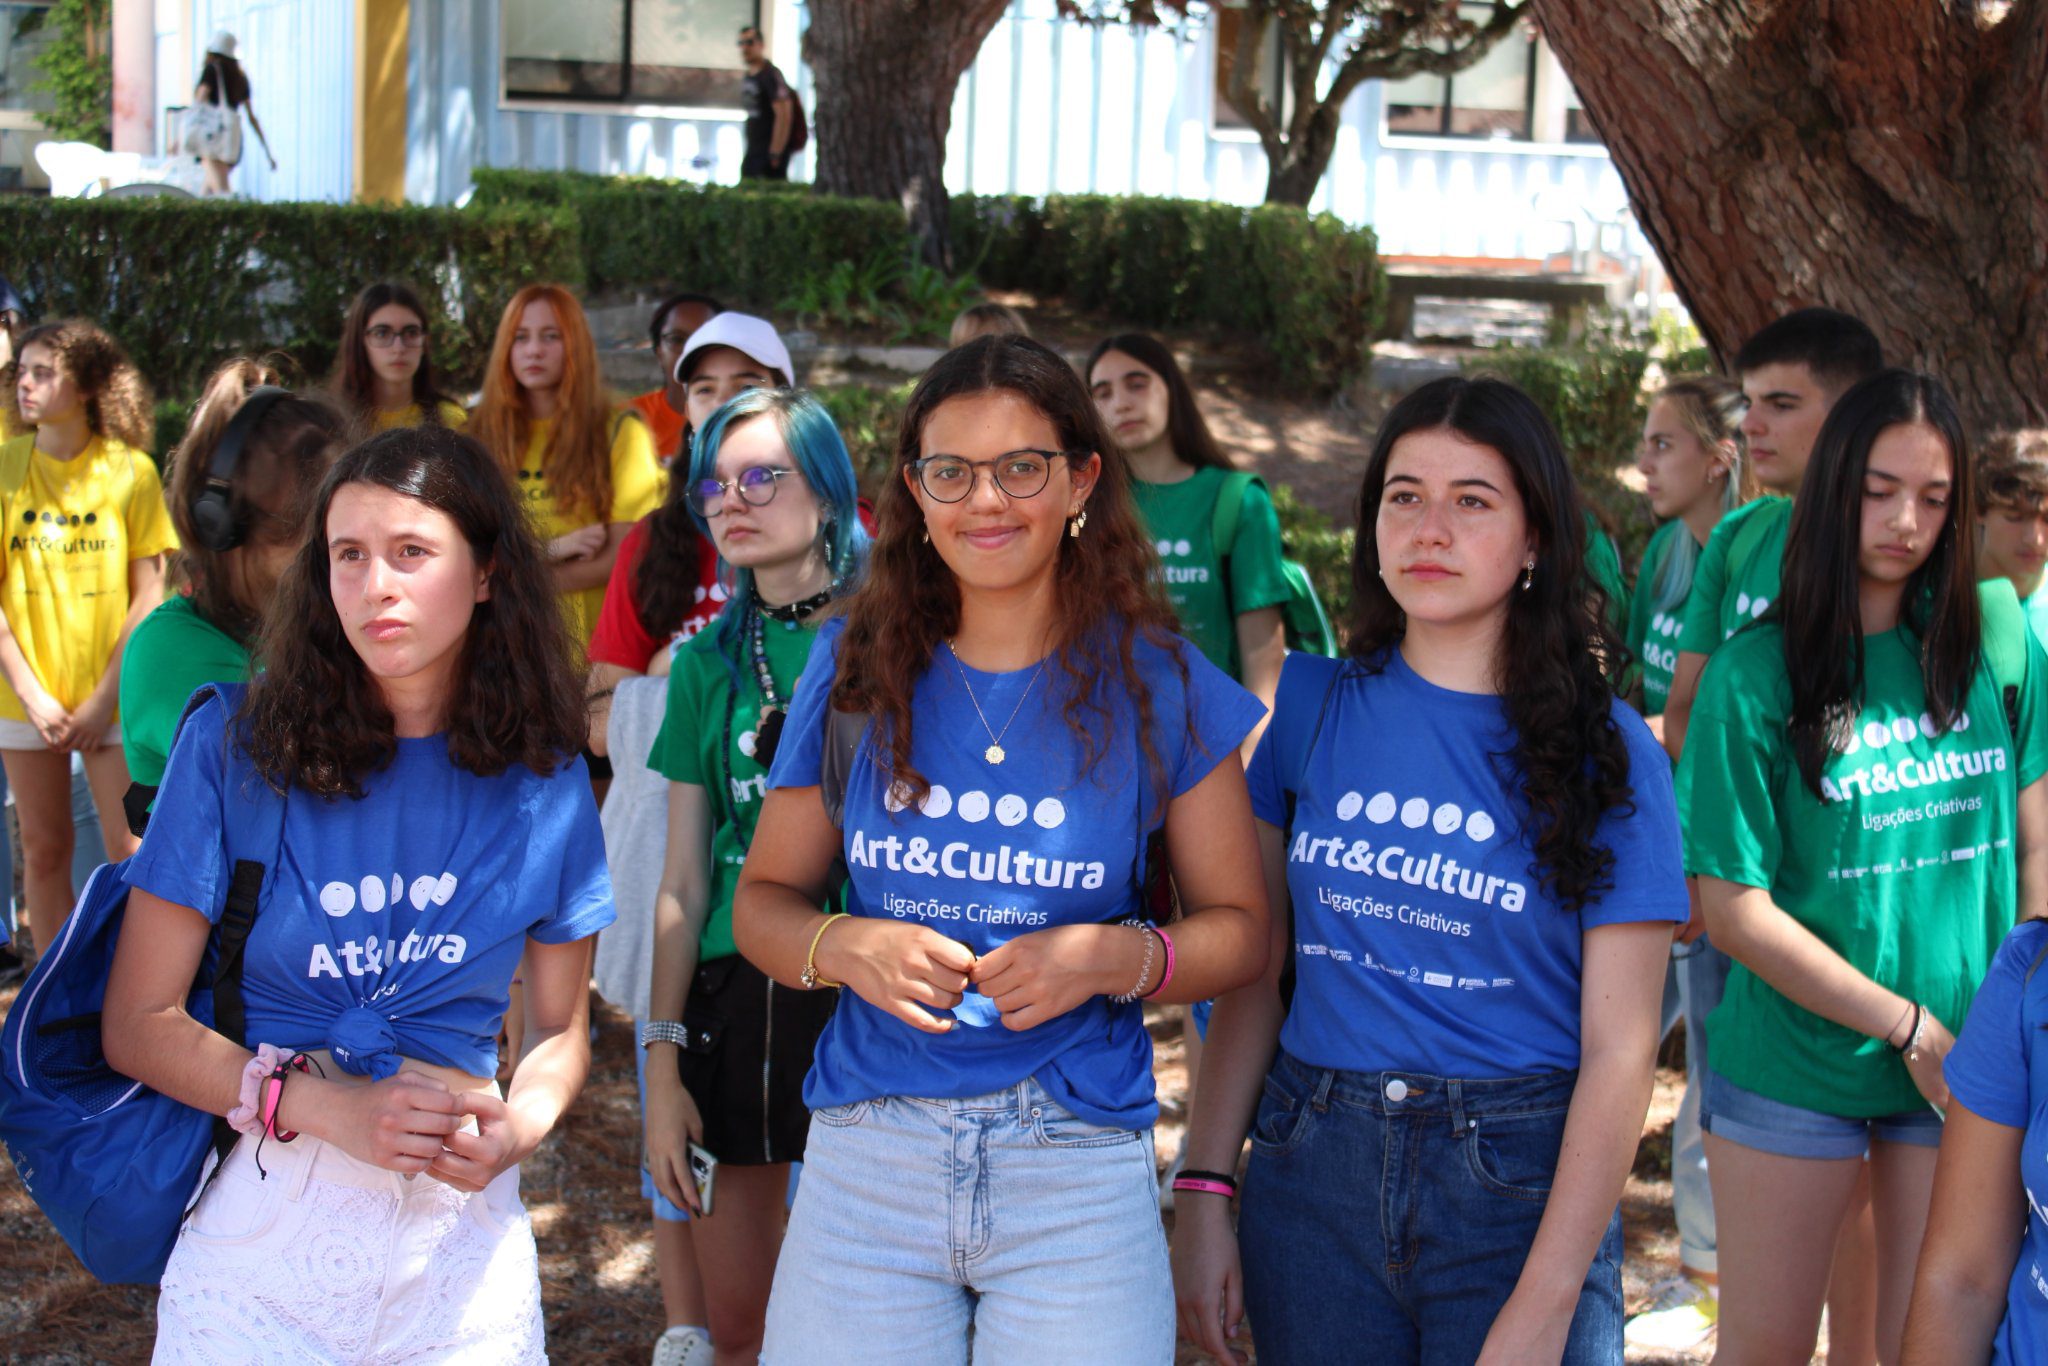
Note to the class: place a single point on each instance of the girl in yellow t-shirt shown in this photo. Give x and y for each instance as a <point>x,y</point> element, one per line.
<point>81,562</point>
<point>383,375</point>
<point>584,471</point>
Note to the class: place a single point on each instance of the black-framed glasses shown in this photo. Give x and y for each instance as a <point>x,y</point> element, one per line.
<point>755,485</point>
<point>1017,474</point>
<point>675,341</point>
<point>383,337</point>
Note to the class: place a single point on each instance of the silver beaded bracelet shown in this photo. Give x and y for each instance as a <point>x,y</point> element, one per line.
<point>1144,969</point>
<point>663,1031</point>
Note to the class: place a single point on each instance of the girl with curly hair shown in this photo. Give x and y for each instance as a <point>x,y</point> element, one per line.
<point>584,470</point>
<point>1025,718</point>
<point>417,719</point>
<point>224,578</point>
<point>1480,849</point>
<point>383,375</point>
<point>81,563</point>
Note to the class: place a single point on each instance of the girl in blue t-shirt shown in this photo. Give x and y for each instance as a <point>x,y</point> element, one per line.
<point>986,741</point>
<point>1981,1292</point>
<point>415,733</point>
<point>1480,847</point>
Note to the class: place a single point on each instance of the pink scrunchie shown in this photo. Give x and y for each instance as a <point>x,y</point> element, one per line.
<point>247,1118</point>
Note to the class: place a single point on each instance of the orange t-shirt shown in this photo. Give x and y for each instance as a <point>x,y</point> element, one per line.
<point>663,421</point>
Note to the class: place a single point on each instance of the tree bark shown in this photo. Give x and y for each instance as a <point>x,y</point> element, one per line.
<point>1887,159</point>
<point>885,71</point>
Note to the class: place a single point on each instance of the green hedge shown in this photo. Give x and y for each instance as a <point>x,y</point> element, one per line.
<point>759,247</point>
<point>1309,286</point>
<point>185,284</point>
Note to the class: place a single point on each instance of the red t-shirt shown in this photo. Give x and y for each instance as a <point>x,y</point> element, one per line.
<point>663,421</point>
<point>621,637</point>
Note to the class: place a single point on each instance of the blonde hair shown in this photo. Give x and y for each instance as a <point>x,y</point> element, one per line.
<point>2012,470</point>
<point>1711,409</point>
<point>987,319</point>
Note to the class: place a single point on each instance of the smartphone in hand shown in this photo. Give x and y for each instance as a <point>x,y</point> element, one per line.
<point>703,1170</point>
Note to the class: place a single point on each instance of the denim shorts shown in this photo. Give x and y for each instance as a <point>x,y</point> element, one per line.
<point>1387,1216</point>
<point>1771,1126</point>
<point>998,1228</point>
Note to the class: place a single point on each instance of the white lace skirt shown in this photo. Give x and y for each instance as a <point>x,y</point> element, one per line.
<point>333,1260</point>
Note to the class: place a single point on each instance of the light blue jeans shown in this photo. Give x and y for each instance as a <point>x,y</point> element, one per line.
<point>1702,975</point>
<point>996,1229</point>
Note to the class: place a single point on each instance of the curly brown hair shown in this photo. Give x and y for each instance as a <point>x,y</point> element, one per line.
<point>315,717</point>
<point>1108,589</point>
<point>281,463</point>
<point>116,397</point>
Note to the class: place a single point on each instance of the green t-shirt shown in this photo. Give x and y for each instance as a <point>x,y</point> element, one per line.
<point>170,653</point>
<point>1603,562</point>
<point>1181,518</point>
<point>696,745</point>
<point>1907,869</point>
<point>1728,596</point>
<point>2037,613</point>
<point>1653,631</point>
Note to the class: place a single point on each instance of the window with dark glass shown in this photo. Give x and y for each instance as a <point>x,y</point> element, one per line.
<point>683,52</point>
<point>1272,74</point>
<point>1492,98</point>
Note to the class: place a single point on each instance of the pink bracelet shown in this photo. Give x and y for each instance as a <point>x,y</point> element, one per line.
<point>243,1118</point>
<point>1205,1186</point>
<point>1165,975</point>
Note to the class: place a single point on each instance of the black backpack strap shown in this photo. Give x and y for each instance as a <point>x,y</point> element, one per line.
<point>844,731</point>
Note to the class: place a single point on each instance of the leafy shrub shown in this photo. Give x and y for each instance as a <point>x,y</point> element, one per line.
<point>1594,397</point>
<point>184,284</point>
<point>1322,548</point>
<point>868,416</point>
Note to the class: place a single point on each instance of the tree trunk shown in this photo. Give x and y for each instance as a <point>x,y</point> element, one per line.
<point>885,71</point>
<point>1295,168</point>
<point>1887,159</point>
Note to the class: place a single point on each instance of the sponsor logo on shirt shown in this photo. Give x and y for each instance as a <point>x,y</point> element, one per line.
<point>1907,774</point>
<point>368,957</point>
<point>1180,573</point>
<point>1656,655</point>
<point>1392,862</point>
<point>1005,864</point>
<point>51,532</point>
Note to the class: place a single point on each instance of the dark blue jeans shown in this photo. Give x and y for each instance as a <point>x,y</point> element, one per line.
<point>1387,1216</point>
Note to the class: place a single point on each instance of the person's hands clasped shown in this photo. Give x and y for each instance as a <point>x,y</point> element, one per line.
<point>581,544</point>
<point>470,1161</point>
<point>401,1124</point>
<point>673,1123</point>
<point>1042,975</point>
<point>90,722</point>
<point>907,970</point>
<point>48,716</point>
<point>1923,1064</point>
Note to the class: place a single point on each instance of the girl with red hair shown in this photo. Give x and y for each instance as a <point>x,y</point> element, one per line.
<point>584,470</point>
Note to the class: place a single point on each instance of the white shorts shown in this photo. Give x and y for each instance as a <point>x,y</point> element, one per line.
<point>330,1259</point>
<point>23,735</point>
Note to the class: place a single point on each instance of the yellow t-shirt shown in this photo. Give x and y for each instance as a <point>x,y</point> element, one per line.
<point>636,491</point>
<point>71,530</point>
<point>453,415</point>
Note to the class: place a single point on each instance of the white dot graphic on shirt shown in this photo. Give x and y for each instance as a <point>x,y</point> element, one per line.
<point>421,892</point>
<point>1876,734</point>
<point>719,592</point>
<point>444,889</point>
<point>1927,725</point>
<point>1012,809</point>
<point>1349,805</point>
<point>1164,547</point>
<point>896,798</point>
<point>748,743</point>
<point>1759,607</point>
<point>373,894</point>
<point>700,592</point>
<point>1855,743</point>
<point>1183,548</point>
<point>1479,826</point>
<point>337,898</point>
<point>1962,721</point>
<point>397,890</point>
<point>1448,818</point>
<point>973,807</point>
<point>1903,730</point>
<point>938,803</point>
<point>1050,813</point>
<point>1742,604</point>
<point>1381,808</point>
<point>1415,812</point>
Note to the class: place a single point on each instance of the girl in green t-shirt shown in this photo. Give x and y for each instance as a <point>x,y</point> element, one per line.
<point>1862,810</point>
<point>770,481</point>
<point>223,582</point>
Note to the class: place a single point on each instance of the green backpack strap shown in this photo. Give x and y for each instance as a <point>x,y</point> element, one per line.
<point>2004,643</point>
<point>1223,520</point>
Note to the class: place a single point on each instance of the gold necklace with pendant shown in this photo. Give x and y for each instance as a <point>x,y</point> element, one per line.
<point>994,753</point>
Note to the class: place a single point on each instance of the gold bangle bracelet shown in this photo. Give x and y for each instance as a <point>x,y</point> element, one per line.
<point>809,976</point>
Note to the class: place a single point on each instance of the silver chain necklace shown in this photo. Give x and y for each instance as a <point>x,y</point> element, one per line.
<point>994,753</point>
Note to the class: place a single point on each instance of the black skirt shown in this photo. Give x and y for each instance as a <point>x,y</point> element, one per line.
<point>748,1048</point>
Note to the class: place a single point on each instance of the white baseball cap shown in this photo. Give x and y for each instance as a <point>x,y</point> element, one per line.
<point>752,337</point>
<point>223,43</point>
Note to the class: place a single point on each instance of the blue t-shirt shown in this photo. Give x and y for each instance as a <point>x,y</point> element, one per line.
<point>999,851</point>
<point>392,924</point>
<point>1999,1070</point>
<point>1423,938</point>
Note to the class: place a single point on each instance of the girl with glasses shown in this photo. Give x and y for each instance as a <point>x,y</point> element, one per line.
<point>584,470</point>
<point>985,742</point>
<point>727,1049</point>
<point>383,375</point>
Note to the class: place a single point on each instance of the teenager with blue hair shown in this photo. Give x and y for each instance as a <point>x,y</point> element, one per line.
<point>770,481</point>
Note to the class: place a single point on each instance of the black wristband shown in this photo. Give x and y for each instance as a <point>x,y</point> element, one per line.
<point>1229,1181</point>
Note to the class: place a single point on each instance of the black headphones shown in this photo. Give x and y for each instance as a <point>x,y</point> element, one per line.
<point>213,516</point>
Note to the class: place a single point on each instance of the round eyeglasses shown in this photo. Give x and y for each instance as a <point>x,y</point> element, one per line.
<point>383,337</point>
<point>1017,474</point>
<point>755,485</point>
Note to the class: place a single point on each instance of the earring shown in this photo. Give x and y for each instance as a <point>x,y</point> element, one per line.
<point>926,535</point>
<point>1080,520</point>
<point>1528,575</point>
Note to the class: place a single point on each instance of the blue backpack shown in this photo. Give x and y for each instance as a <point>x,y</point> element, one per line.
<point>113,1164</point>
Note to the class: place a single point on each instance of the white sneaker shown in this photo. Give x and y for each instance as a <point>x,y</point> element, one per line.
<point>1679,1319</point>
<point>682,1347</point>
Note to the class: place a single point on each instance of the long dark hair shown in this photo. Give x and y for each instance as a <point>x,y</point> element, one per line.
<point>1186,431</point>
<point>1107,579</point>
<point>316,717</point>
<point>1818,609</point>
<point>230,83</point>
<point>1556,647</point>
<point>354,382</point>
<point>283,458</point>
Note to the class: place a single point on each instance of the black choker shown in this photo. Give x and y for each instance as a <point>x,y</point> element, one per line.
<point>796,611</point>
